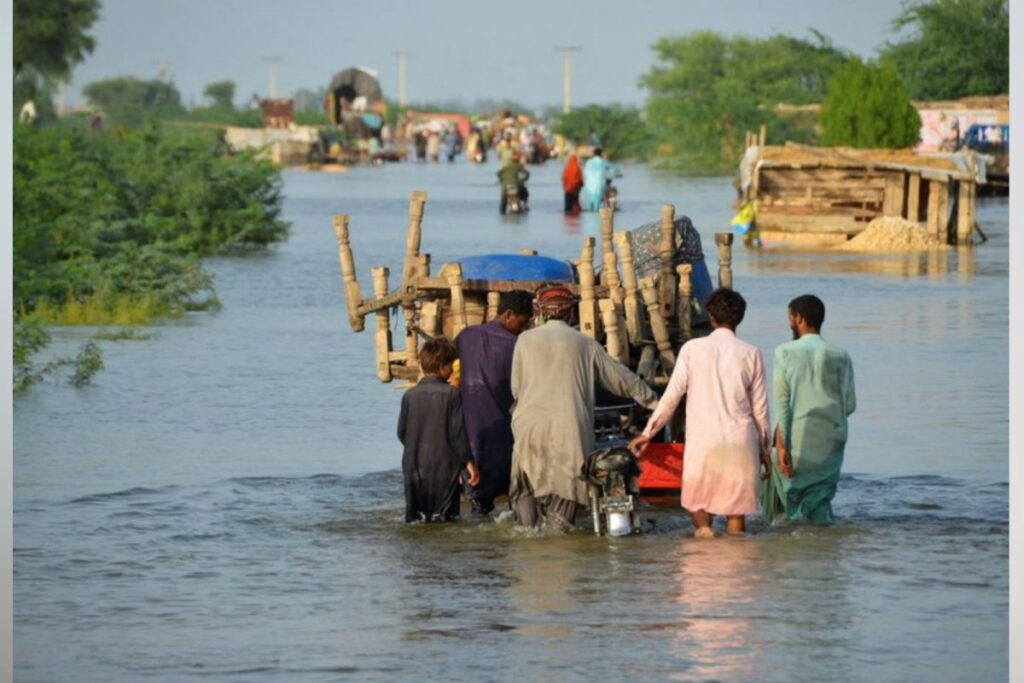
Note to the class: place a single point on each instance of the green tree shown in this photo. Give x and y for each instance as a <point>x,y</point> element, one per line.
<point>129,99</point>
<point>50,35</point>
<point>868,106</point>
<point>707,90</point>
<point>50,38</point>
<point>221,94</point>
<point>952,48</point>
<point>621,130</point>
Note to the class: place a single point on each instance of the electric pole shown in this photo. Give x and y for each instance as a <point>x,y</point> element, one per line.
<point>164,70</point>
<point>272,63</point>
<point>567,51</point>
<point>401,54</point>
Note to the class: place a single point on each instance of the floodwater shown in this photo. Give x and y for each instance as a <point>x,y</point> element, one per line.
<point>224,501</point>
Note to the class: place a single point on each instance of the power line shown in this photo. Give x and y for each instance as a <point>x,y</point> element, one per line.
<point>164,69</point>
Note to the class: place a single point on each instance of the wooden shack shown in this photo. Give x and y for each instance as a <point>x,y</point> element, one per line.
<point>830,194</point>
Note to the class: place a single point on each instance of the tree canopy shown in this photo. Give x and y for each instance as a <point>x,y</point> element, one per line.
<point>868,106</point>
<point>130,99</point>
<point>706,90</point>
<point>952,48</point>
<point>50,35</point>
<point>221,94</point>
<point>620,129</point>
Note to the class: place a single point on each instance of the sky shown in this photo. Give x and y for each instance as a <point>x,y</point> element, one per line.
<point>460,49</point>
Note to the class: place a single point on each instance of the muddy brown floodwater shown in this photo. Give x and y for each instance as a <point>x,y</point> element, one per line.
<point>224,502</point>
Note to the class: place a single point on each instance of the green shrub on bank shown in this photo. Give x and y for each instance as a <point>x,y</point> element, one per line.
<point>109,226</point>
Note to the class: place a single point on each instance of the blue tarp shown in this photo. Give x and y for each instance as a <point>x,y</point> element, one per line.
<point>516,267</point>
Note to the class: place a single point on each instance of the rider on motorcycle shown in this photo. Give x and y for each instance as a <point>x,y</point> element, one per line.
<point>513,174</point>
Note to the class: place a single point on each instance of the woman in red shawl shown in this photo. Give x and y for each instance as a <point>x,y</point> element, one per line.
<point>572,181</point>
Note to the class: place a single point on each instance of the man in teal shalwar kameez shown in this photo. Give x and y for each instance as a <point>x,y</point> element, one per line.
<point>812,388</point>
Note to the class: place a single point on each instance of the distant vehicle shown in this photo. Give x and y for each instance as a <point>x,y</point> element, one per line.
<point>992,140</point>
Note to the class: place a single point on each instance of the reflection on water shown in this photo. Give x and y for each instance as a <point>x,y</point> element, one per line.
<point>931,263</point>
<point>225,501</point>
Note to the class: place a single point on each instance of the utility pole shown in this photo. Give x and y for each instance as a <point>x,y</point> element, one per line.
<point>164,70</point>
<point>272,63</point>
<point>567,51</point>
<point>401,54</point>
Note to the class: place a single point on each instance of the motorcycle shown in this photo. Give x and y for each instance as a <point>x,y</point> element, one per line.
<point>612,474</point>
<point>513,203</point>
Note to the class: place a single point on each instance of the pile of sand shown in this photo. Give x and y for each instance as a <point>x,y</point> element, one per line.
<point>889,233</point>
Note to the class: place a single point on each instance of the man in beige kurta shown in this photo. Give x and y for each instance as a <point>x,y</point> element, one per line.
<point>554,370</point>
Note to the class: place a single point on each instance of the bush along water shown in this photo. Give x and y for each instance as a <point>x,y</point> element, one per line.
<point>109,227</point>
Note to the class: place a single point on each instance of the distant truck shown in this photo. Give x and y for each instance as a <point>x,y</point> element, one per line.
<point>992,140</point>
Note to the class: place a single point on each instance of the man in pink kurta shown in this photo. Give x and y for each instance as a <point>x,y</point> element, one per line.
<point>726,418</point>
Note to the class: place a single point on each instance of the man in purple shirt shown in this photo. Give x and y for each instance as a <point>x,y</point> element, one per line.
<point>485,361</point>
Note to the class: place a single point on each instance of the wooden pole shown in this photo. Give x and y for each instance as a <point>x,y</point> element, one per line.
<point>612,331</point>
<point>914,198</point>
<point>428,318</point>
<point>667,289</point>
<point>423,266</point>
<point>609,260</point>
<point>762,135</point>
<point>943,212</point>
<point>607,230</point>
<point>685,309</point>
<point>353,297</point>
<point>932,224</point>
<point>417,200</point>
<point>588,302</point>
<point>411,270</point>
<point>646,368</point>
<point>382,336</point>
<point>492,305</point>
<point>724,242</point>
<point>658,326</point>
<point>631,303</point>
<point>458,300</point>
<point>964,215</point>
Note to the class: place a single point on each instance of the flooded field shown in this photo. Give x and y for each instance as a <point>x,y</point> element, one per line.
<point>224,502</point>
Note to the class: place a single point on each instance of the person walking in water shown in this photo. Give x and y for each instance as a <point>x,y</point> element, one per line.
<point>572,182</point>
<point>813,392</point>
<point>596,174</point>
<point>554,373</point>
<point>430,427</point>
<point>485,358</point>
<point>727,425</point>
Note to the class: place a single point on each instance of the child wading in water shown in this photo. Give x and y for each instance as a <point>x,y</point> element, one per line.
<point>436,449</point>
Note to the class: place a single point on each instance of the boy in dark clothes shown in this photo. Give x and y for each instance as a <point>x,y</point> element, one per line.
<point>430,427</point>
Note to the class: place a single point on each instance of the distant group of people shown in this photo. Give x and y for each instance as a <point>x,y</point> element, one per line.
<point>518,417</point>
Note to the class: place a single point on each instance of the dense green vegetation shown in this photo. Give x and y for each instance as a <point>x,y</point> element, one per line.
<point>707,90</point>
<point>129,100</point>
<point>867,106</point>
<point>108,227</point>
<point>621,130</point>
<point>221,94</point>
<point>952,48</point>
<point>50,38</point>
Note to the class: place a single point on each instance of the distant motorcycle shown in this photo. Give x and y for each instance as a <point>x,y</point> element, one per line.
<point>513,202</point>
